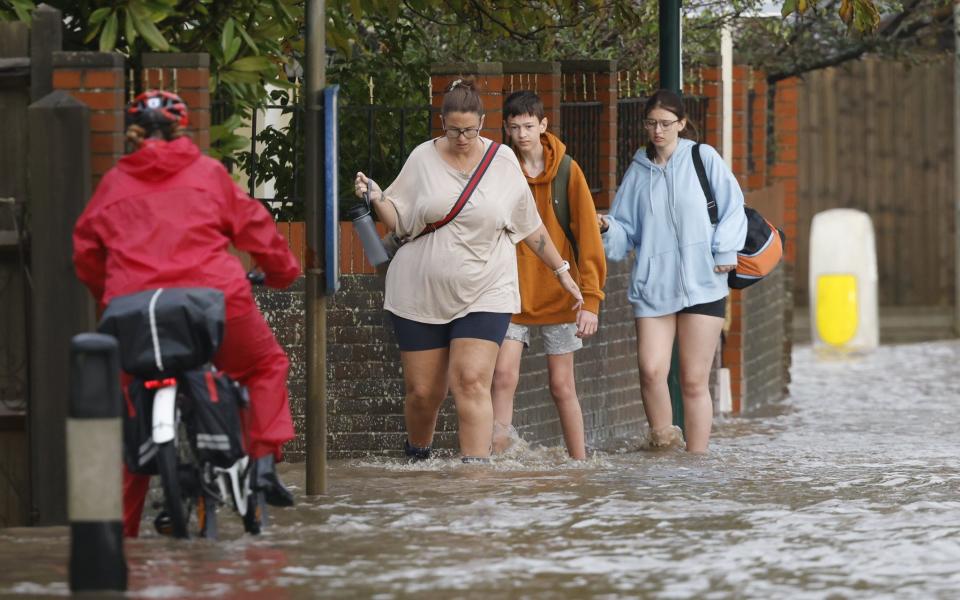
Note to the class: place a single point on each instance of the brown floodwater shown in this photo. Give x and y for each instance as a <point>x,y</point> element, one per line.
<point>851,489</point>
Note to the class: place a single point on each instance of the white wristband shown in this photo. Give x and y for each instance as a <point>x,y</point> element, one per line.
<point>563,268</point>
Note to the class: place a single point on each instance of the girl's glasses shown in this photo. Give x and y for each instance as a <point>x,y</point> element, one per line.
<point>652,123</point>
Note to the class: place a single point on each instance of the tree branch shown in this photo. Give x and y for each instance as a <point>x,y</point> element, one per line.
<point>899,27</point>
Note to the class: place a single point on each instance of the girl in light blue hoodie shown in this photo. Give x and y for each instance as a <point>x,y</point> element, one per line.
<point>679,279</point>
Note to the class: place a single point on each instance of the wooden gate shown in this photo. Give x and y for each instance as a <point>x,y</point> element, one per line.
<point>878,136</point>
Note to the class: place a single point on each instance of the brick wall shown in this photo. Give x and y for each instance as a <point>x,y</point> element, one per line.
<point>784,171</point>
<point>365,382</point>
<point>543,78</point>
<point>764,375</point>
<point>365,386</point>
<point>785,168</point>
<point>710,87</point>
<point>187,75</point>
<point>607,379</point>
<point>96,79</point>
<point>488,79</point>
<point>596,81</point>
<point>753,324</point>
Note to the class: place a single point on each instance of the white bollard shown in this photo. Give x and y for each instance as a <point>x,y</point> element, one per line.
<point>94,466</point>
<point>843,282</point>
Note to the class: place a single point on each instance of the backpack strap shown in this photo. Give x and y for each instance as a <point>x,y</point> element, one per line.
<point>467,191</point>
<point>705,184</point>
<point>561,203</point>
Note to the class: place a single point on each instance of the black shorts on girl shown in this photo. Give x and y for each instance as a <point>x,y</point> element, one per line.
<point>717,308</point>
<point>414,336</point>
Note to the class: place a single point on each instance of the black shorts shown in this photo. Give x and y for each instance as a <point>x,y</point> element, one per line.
<point>414,335</point>
<point>717,308</point>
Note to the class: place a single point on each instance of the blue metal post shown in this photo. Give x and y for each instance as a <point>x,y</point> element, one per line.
<point>331,161</point>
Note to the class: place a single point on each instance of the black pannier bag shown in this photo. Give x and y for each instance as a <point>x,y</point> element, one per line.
<point>215,401</point>
<point>167,330</point>
<point>210,403</point>
<point>139,451</point>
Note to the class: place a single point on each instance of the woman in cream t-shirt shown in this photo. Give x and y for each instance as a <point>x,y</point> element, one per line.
<point>451,293</point>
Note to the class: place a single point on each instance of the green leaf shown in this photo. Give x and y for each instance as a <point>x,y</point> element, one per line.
<point>356,9</point>
<point>234,49</point>
<point>226,38</point>
<point>251,63</point>
<point>281,7</point>
<point>246,38</point>
<point>99,15</point>
<point>866,17</point>
<point>789,7</point>
<point>148,30</point>
<point>92,33</point>
<point>108,39</point>
<point>279,82</point>
<point>162,7</point>
<point>24,10</point>
<point>129,31</point>
<point>240,77</point>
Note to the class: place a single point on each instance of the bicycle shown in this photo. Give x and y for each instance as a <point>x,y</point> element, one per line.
<point>193,438</point>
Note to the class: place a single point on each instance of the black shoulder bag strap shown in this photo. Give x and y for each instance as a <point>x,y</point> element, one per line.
<point>705,184</point>
<point>467,191</point>
<point>561,202</point>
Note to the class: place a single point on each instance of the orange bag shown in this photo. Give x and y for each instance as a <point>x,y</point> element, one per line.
<point>763,248</point>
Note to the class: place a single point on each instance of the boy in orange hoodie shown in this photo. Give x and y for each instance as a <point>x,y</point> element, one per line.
<point>544,303</point>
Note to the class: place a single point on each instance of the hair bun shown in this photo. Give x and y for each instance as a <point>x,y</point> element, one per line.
<point>460,83</point>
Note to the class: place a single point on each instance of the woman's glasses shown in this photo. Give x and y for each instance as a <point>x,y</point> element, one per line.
<point>652,123</point>
<point>455,132</point>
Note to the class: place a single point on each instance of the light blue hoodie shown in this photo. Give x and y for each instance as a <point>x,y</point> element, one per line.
<point>661,214</point>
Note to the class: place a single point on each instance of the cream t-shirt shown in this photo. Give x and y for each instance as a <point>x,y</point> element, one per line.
<point>469,264</point>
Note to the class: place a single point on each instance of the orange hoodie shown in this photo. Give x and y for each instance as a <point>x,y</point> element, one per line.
<point>543,300</point>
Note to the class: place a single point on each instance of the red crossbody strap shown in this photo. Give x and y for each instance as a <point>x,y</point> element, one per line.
<point>467,191</point>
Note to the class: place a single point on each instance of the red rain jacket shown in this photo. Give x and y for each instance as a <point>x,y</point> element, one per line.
<point>165,217</point>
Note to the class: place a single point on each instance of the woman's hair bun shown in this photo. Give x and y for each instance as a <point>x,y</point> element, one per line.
<point>460,83</point>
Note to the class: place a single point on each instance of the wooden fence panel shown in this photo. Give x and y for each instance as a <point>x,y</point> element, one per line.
<point>14,98</point>
<point>878,136</point>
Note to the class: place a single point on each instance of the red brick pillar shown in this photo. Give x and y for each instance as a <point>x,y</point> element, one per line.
<point>596,81</point>
<point>711,88</point>
<point>742,77</point>
<point>187,75</point>
<point>96,79</point>
<point>786,123</point>
<point>542,78</point>
<point>758,129</point>
<point>488,79</point>
<point>736,325</point>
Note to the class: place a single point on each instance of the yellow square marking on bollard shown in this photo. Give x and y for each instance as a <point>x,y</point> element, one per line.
<point>837,308</point>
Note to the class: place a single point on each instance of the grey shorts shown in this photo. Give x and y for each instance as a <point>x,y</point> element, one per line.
<point>557,339</point>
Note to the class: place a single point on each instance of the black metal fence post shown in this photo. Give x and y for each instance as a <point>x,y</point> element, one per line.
<point>94,461</point>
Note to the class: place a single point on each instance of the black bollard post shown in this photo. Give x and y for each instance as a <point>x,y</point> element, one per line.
<point>94,460</point>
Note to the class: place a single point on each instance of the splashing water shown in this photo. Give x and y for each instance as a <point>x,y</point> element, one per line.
<point>850,489</point>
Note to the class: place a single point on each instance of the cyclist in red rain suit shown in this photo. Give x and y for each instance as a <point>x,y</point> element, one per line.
<point>165,216</point>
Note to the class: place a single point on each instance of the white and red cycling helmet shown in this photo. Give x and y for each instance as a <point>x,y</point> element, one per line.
<point>157,109</point>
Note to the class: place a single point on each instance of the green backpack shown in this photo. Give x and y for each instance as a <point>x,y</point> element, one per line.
<point>561,204</point>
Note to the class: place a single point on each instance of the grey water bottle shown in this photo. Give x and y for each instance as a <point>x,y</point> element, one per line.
<point>367,230</point>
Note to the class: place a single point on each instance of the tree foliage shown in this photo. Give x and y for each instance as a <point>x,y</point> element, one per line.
<point>382,50</point>
<point>250,43</point>
<point>906,30</point>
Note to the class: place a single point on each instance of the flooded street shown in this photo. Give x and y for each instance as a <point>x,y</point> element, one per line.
<point>852,489</point>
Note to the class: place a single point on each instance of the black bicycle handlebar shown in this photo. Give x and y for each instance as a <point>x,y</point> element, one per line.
<point>256,276</point>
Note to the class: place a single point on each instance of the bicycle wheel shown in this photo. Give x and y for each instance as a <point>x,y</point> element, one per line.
<point>172,493</point>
